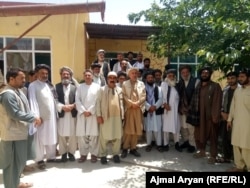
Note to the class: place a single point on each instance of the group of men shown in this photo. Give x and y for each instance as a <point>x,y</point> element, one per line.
<point>96,114</point>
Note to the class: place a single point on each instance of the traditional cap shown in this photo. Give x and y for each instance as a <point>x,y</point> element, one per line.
<point>65,68</point>
<point>173,71</point>
<point>100,51</point>
<point>42,66</point>
<point>132,68</point>
<point>95,64</point>
<point>112,73</point>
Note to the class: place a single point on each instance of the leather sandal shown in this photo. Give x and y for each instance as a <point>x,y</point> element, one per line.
<point>148,148</point>
<point>211,160</point>
<point>93,159</point>
<point>82,159</point>
<point>199,155</point>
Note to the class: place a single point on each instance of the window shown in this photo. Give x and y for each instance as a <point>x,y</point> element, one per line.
<point>26,53</point>
<point>176,62</point>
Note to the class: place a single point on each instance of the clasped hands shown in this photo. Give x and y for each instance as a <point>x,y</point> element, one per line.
<point>167,106</point>
<point>68,107</point>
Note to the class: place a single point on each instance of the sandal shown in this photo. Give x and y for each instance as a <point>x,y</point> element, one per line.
<point>148,148</point>
<point>199,155</point>
<point>159,148</point>
<point>28,169</point>
<point>93,159</point>
<point>211,160</point>
<point>25,185</point>
<point>82,159</point>
<point>41,165</point>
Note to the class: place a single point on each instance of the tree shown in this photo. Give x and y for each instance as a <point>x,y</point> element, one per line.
<point>218,31</point>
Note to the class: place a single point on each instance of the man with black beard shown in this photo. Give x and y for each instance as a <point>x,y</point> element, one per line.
<point>238,120</point>
<point>206,102</point>
<point>67,115</point>
<point>153,113</point>
<point>228,92</point>
<point>97,76</point>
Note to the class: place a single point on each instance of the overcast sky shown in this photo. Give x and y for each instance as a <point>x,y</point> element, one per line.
<point>115,13</point>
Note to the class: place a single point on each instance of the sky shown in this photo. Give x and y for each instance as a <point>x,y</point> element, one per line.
<point>116,11</point>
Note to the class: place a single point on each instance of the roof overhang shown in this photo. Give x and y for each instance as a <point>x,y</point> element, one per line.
<point>111,31</point>
<point>26,9</point>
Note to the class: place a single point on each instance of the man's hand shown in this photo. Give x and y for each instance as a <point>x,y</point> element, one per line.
<point>38,121</point>
<point>68,107</point>
<point>100,120</point>
<point>229,125</point>
<point>167,106</point>
<point>224,116</point>
<point>152,109</point>
<point>86,114</point>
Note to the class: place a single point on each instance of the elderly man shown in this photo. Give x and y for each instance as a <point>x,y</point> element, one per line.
<point>110,113</point>
<point>186,87</point>
<point>105,67</point>
<point>15,119</point>
<point>87,126</point>
<point>171,119</point>
<point>97,76</point>
<point>205,106</point>
<point>134,94</point>
<point>67,115</point>
<point>43,99</point>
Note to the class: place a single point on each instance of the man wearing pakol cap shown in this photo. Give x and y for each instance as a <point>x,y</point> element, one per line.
<point>43,99</point>
<point>205,107</point>
<point>105,67</point>
<point>239,121</point>
<point>171,119</point>
<point>87,129</point>
<point>67,115</point>
<point>98,78</point>
<point>110,113</point>
<point>134,94</point>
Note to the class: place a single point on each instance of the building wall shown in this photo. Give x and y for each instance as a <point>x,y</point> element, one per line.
<point>115,45</point>
<point>67,34</point>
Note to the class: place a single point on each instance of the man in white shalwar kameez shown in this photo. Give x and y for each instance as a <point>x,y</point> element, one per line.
<point>153,113</point>
<point>87,126</point>
<point>171,119</point>
<point>42,99</point>
<point>238,120</point>
<point>66,91</point>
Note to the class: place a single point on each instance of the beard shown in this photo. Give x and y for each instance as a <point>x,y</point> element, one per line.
<point>205,79</point>
<point>171,82</point>
<point>245,82</point>
<point>66,81</point>
<point>96,75</point>
<point>150,83</point>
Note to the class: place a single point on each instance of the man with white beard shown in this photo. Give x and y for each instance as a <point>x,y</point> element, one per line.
<point>171,119</point>
<point>186,87</point>
<point>97,76</point>
<point>67,115</point>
